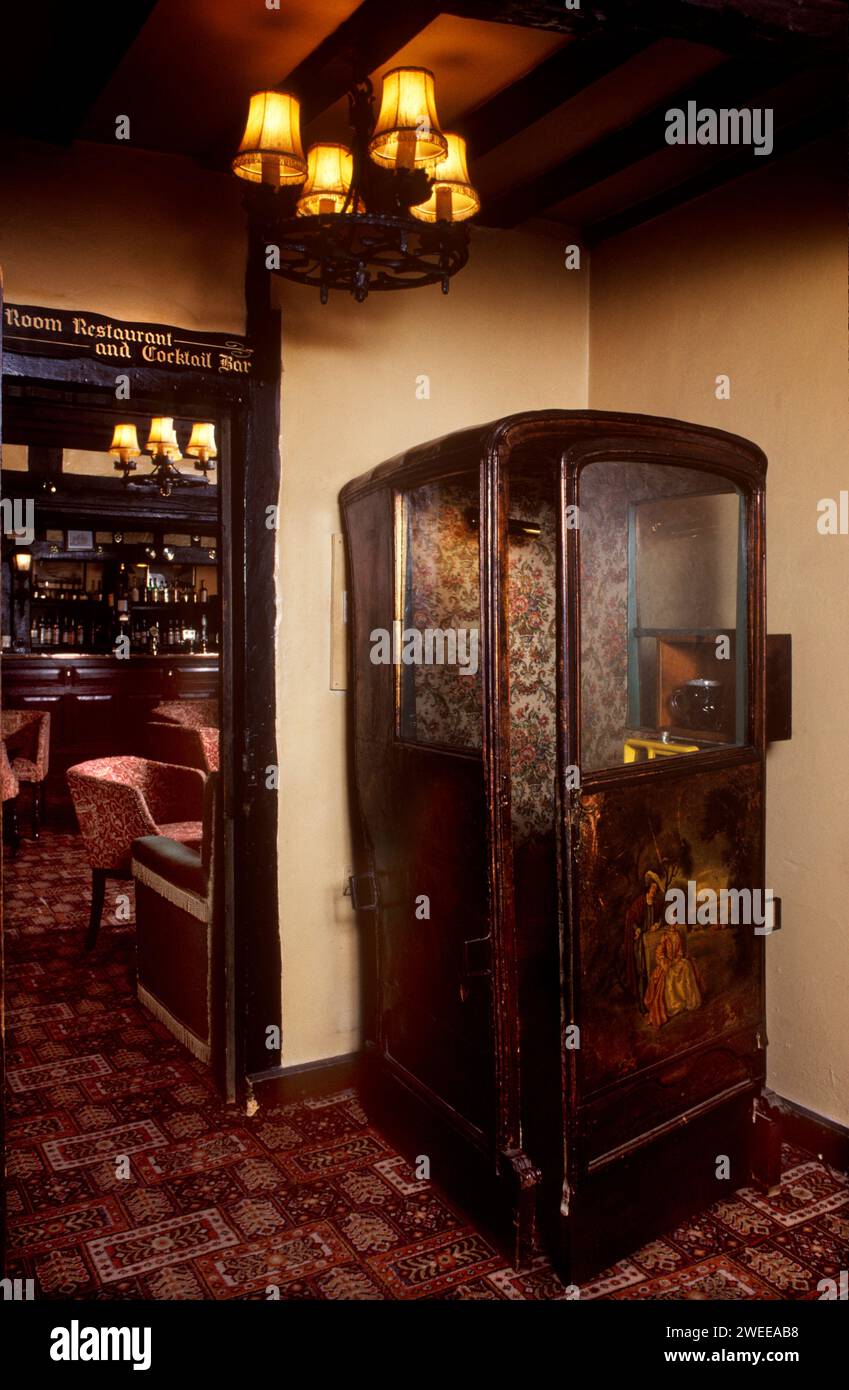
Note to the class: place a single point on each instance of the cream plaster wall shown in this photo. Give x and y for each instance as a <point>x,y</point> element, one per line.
<point>140,236</point>
<point>751,281</point>
<point>511,335</point>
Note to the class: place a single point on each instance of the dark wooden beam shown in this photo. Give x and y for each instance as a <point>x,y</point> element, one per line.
<point>724,24</point>
<point>732,84</point>
<point>556,80</point>
<point>828,116</point>
<point>369,37</point>
<point>62,62</point>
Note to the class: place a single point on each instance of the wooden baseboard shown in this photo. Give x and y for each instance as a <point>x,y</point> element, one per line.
<point>807,1130</point>
<point>282,1085</point>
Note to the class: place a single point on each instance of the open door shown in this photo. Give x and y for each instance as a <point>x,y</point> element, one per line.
<point>419,770</point>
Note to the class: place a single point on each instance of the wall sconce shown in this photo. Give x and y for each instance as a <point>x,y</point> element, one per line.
<point>201,447</point>
<point>164,449</point>
<point>162,440</point>
<point>22,561</point>
<point>125,448</point>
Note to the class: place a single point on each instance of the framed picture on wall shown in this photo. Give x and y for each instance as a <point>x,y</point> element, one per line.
<point>80,540</point>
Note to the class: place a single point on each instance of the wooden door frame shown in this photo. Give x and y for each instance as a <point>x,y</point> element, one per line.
<point>249,412</point>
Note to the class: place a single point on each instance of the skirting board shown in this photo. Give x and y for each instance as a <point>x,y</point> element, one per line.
<point>807,1130</point>
<point>282,1085</point>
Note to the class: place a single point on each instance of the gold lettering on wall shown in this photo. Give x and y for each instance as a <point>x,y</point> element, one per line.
<point>44,332</point>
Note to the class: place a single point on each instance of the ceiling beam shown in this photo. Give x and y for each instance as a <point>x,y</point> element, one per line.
<point>369,37</point>
<point>724,24</point>
<point>53,80</point>
<point>828,116</point>
<point>734,83</point>
<point>546,87</point>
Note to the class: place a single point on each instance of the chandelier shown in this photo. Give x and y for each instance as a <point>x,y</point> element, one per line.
<point>387,212</point>
<point>165,453</point>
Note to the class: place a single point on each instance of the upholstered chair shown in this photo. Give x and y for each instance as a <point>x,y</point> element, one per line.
<point>176,888</point>
<point>181,743</point>
<point>196,714</point>
<point>118,799</point>
<point>9,787</point>
<point>29,729</point>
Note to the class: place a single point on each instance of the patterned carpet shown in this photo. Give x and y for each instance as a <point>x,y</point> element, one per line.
<point>129,1179</point>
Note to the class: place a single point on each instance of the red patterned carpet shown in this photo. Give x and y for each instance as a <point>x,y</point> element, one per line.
<point>129,1179</point>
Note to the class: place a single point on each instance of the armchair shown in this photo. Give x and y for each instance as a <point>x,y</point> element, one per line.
<point>9,788</point>
<point>195,714</point>
<point>184,744</point>
<point>119,799</point>
<point>28,735</point>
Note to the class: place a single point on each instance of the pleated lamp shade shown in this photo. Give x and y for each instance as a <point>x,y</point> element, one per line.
<point>271,150</point>
<point>407,134</point>
<point>330,169</point>
<point>452,197</point>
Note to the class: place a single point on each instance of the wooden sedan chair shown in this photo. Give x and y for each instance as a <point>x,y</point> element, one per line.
<point>536,605</point>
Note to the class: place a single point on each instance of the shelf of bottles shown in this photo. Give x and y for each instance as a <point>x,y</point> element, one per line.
<point>88,607</point>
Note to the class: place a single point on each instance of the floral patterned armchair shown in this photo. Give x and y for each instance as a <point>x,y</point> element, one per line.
<point>9,787</point>
<point>29,730</point>
<point>184,744</point>
<point>117,800</point>
<point>195,714</point>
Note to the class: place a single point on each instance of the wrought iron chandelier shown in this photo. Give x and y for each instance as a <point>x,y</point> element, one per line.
<point>165,453</point>
<point>387,213</point>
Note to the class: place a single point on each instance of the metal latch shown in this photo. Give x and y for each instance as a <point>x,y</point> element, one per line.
<point>356,902</point>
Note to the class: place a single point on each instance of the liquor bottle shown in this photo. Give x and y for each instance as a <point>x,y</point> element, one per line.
<point>204,592</point>
<point>33,634</point>
<point>80,634</point>
<point>134,591</point>
<point>54,636</point>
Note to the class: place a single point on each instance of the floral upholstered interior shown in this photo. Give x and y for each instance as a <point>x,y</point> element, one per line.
<point>442,706</point>
<point>439,704</point>
<point>532,638</point>
<point>116,800</point>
